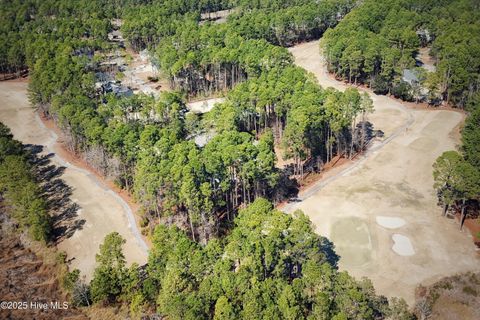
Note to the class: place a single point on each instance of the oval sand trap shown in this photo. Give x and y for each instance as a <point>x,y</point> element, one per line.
<point>390,222</point>
<point>402,245</point>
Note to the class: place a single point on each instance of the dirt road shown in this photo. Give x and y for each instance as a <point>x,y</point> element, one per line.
<point>102,209</point>
<point>393,182</point>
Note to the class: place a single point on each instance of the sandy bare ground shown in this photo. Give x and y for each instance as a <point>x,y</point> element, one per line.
<point>394,180</point>
<point>102,209</point>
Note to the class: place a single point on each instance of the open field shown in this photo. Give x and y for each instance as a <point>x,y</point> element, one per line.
<point>394,180</point>
<point>102,209</point>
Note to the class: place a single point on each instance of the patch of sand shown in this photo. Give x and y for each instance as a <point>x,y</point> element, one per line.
<point>103,210</point>
<point>394,176</point>
<point>204,106</point>
<point>390,222</point>
<point>428,63</point>
<point>402,245</point>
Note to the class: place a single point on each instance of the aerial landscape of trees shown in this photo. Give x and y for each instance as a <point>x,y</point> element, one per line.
<point>153,156</point>
<point>220,250</point>
<point>376,42</point>
<point>272,266</point>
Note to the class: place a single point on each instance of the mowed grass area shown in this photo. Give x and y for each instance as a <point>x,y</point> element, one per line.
<point>356,249</point>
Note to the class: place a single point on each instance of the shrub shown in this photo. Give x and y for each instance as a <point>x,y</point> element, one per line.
<point>469,290</point>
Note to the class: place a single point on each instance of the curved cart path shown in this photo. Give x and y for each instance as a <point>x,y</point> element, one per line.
<point>393,179</point>
<point>103,210</point>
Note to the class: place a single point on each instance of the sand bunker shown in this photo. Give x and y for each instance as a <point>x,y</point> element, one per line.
<point>402,245</point>
<point>390,222</point>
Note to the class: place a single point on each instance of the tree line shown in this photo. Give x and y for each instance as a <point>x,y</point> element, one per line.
<point>280,22</point>
<point>457,174</point>
<point>287,25</point>
<point>214,57</point>
<point>306,120</point>
<point>20,193</point>
<point>379,39</point>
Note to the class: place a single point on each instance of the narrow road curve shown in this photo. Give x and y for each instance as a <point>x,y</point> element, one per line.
<point>102,210</point>
<point>129,213</point>
<point>392,179</point>
<point>316,64</point>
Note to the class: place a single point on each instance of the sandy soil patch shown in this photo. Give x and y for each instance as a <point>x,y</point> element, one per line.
<point>103,210</point>
<point>395,177</point>
<point>204,106</point>
<point>402,245</point>
<point>390,222</point>
<point>428,63</point>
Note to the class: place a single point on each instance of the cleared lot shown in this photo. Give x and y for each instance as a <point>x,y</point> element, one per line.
<point>394,180</point>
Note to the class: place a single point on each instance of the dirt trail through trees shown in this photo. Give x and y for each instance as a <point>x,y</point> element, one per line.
<point>102,209</point>
<point>394,179</point>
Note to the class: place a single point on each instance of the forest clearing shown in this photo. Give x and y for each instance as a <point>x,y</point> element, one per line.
<point>101,209</point>
<point>394,181</point>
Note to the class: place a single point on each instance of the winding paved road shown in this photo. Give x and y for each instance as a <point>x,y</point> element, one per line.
<point>103,210</point>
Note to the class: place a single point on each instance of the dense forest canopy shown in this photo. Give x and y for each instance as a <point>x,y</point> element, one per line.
<point>272,266</point>
<point>380,39</point>
<point>153,154</point>
<point>233,255</point>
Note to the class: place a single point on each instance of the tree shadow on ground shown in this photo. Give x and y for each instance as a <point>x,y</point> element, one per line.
<point>288,186</point>
<point>65,219</point>
<point>363,135</point>
<point>328,248</point>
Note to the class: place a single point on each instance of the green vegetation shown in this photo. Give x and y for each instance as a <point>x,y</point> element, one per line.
<point>215,57</point>
<point>471,134</point>
<point>286,26</point>
<point>282,22</point>
<point>379,39</point>
<point>457,182</point>
<point>271,266</point>
<point>146,145</point>
<point>220,250</point>
<point>19,190</point>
